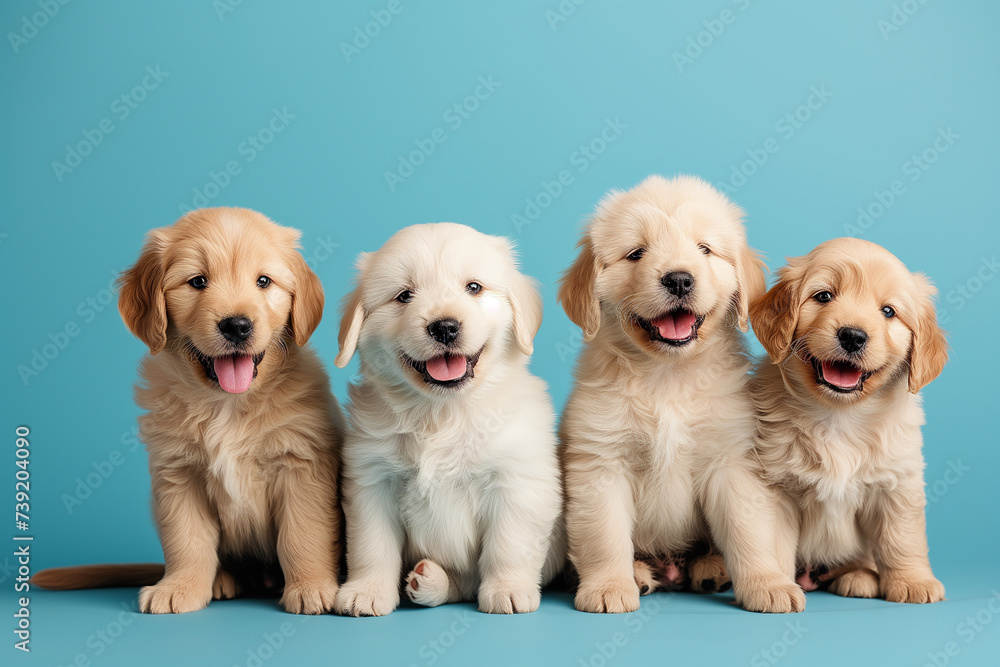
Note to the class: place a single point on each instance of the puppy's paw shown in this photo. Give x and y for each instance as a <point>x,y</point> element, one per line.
<point>645,579</point>
<point>708,574</point>
<point>366,598</point>
<point>309,597</point>
<point>607,597</point>
<point>508,598</point>
<point>916,589</point>
<point>225,586</point>
<point>860,583</point>
<point>772,595</point>
<point>427,584</point>
<point>173,598</point>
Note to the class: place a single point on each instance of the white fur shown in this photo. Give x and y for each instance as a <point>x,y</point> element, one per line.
<point>466,477</point>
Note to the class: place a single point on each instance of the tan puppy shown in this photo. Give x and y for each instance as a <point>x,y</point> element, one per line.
<point>658,428</point>
<point>852,338</point>
<point>242,430</point>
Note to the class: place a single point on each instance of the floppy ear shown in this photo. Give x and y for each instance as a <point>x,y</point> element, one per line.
<point>350,328</point>
<point>307,300</point>
<point>752,280</point>
<point>929,349</point>
<point>141,299</point>
<point>776,314</point>
<point>576,291</point>
<point>526,302</point>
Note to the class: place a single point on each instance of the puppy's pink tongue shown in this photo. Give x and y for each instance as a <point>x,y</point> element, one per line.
<point>235,372</point>
<point>446,368</point>
<point>677,325</point>
<point>841,374</point>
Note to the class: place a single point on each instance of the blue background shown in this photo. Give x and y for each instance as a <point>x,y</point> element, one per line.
<point>888,88</point>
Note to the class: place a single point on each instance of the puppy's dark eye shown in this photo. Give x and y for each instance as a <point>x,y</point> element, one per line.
<point>824,296</point>
<point>705,250</point>
<point>198,282</point>
<point>888,311</point>
<point>263,282</point>
<point>473,288</point>
<point>405,296</point>
<point>635,255</point>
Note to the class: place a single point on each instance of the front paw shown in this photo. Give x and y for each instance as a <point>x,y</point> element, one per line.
<point>916,589</point>
<point>608,597</point>
<point>506,598</point>
<point>169,597</point>
<point>309,597</point>
<point>770,595</point>
<point>366,598</point>
<point>225,587</point>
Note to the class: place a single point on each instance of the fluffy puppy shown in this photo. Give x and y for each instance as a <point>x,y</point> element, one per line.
<point>657,430</point>
<point>241,428</point>
<point>450,465</point>
<point>852,338</point>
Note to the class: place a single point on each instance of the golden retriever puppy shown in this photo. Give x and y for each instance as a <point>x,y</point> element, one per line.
<point>450,465</point>
<point>852,338</point>
<point>241,428</point>
<point>657,430</point>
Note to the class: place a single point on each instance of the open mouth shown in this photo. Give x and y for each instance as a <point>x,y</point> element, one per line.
<point>447,370</point>
<point>841,376</point>
<point>676,328</point>
<point>233,372</point>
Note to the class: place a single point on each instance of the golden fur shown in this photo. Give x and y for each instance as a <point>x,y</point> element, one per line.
<point>656,433</point>
<point>236,476</point>
<point>848,462</point>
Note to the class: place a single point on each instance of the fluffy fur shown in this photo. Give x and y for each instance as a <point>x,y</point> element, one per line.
<point>242,482</point>
<point>658,427</point>
<point>458,482</point>
<point>847,458</point>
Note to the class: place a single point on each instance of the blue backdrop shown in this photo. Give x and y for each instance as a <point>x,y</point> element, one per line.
<point>350,120</point>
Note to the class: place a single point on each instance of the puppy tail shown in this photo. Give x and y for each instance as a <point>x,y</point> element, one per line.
<point>99,576</point>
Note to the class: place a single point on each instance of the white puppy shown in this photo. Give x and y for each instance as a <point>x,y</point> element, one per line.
<point>450,466</point>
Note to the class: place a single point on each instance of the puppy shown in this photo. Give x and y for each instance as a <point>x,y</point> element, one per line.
<point>241,428</point>
<point>450,465</point>
<point>657,430</point>
<point>852,338</point>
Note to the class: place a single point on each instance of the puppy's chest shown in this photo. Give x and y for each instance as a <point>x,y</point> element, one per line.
<point>457,458</point>
<point>236,471</point>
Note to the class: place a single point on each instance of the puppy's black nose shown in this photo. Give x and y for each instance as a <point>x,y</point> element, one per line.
<point>444,331</point>
<point>236,329</point>
<point>678,283</point>
<point>851,339</point>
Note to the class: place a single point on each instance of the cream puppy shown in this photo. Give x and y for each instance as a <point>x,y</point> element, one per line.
<point>852,337</point>
<point>659,427</point>
<point>450,465</point>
